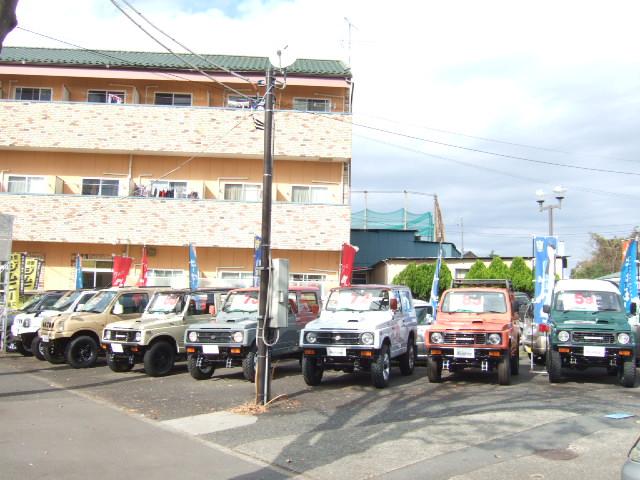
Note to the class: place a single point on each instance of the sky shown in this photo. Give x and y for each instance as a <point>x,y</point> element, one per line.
<point>482,103</point>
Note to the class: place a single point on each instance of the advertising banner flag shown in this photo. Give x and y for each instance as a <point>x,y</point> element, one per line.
<point>257,260</point>
<point>14,287</point>
<point>79,280</point>
<point>30,278</point>
<point>629,275</point>
<point>544,252</point>
<point>144,266</point>
<point>624,245</point>
<point>121,267</point>
<point>346,269</point>
<point>433,299</point>
<point>193,267</point>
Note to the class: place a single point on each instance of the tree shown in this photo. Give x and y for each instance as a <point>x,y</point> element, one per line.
<point>521,276</point>
<point>497,269</point>
<point>606,257</point>
<point>8,20</point>
<point>420,277</point>
<point>477,271</point>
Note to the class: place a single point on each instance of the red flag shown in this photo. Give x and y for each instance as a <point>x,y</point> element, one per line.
<point>142,281</point>
<point>121,266</point>
<point>625,245</point>
<point>346,269</point>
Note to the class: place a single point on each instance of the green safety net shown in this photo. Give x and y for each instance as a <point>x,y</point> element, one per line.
<point>369,219</point>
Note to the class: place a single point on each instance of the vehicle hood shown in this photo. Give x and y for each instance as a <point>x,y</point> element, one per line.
<point>350,320</point>
<point>482,322</point>
<point>242,323</point>
<point>591,320</point>
<point>50,313</point>
<point>151,320</point>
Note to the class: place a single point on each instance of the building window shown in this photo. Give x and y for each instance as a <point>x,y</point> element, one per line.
<point>176,99</point>
<point>238,101</point>
<point>461,273</point>
<point>236,275</point>
<point>162,188</point>
<point>312,104</point>
<point>307,277</point>
<point>37,94</point>
<point>302,194</point>
<point>25,184</point>
<point>97,273</point>
<point>99,186</point>
<point>105,96</point>
<point>243,192</point>
<point>165,277</point>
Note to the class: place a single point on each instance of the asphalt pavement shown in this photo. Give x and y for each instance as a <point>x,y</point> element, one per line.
<point>62,423</point>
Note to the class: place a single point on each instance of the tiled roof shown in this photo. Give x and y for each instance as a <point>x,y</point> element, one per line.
<point>163,61</point>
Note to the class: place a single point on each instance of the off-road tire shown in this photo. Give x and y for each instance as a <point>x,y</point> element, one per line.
<point>628,373</point>
<point>381,368</point>
<point>159,359</point>
<point>515,363</point>
<point>22,349</point>
<point>408,359</point>
<point>613,371</point>
<point>554,366</point>
<point>504,369</point>
<point>199,373</point>
<point>119,364</point>
<point>37,348</point>
<point>250,365</point>
<point>434,370</point>
<point>81,352</point>
<point>311,371</point>
<point>540,360</point>
<point>54,359</point>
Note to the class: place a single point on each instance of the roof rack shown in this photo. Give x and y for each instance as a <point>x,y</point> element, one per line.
<point>494,283</point>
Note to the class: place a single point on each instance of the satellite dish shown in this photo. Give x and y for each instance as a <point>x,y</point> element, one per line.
<point>282,58</point>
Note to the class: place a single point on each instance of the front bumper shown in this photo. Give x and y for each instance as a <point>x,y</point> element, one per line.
<point>467,356</point>
<point>594,355</point>
<point>120,350</point>
<point>343,356</point>
<point>217,355</point>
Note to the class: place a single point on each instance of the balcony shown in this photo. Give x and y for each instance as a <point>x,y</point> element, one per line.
<point>157,221</point>
<point>151,129</point>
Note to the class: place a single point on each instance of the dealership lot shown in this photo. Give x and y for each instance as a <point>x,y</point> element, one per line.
<point>466,427</point>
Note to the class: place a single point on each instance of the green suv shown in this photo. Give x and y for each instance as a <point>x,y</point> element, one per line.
<point>588,327</point>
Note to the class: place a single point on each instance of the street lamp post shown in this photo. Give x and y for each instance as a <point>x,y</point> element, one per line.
<point>559,193</point>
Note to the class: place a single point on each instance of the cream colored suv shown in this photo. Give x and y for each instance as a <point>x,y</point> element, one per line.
<point>74,338</point>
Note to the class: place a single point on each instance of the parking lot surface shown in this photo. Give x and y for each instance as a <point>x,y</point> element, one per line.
<point>466,427</point>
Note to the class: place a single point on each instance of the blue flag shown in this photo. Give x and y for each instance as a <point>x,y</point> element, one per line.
<point>257,260</point>
<point>629,275</point>
<point>79,282</point>
<point>544,252</point>
<point>193,267</point>
<point>433,299</point>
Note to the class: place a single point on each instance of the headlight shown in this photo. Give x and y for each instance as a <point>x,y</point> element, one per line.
<point>494,338</point>
<point>238,337</point>
<point>311,337</point>
<point>26,323</point>
<point>437,337</point>
<point>623,338</point>
<point>563,336</point>
<point>107,335</point>
<point>138,336</point>
<point>60,327</point>
<point>367,338</point>
<point>193,336</point>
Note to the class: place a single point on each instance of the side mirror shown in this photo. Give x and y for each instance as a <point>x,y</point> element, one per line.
<point>118,309</point>
<point>393,303</point>
<point>634,308</point>
<point>546,308</point>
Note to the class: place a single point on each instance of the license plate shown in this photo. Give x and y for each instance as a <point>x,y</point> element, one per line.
<point>210,349</point>
<point>116,348</point>
<point>593,351</point>
<point>464,352</point>
<point>336,351</point>
<point>45,338</point>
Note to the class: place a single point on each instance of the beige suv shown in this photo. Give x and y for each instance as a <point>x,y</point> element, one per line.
<point>74,338</point>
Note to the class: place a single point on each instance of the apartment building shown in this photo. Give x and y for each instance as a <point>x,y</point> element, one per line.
<point>104,152</point>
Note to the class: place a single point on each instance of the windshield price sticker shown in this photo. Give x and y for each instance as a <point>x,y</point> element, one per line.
<point>210,349</point>
<point>593,351</point>
<point>579,301</point>
<point>336,351</point>
<point>464,352</point>
<point>469,303</point>
<point>116,348</point>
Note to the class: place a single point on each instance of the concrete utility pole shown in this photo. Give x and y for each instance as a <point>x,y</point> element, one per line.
<point>263,377</point>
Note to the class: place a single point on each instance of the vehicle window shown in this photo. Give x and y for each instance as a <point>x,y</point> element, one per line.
<point>293,302</point>
<point>166,303</point>
<point>421,314</point>
<point>65,301</point>
<point>358,300</point>
<point>85,298</point>
<point>246,302</point>
<point>99,303</point>
<point>474,302</point>
<point>405,298</point>
<point>46,303</point>
<point>32,300</point>
<point>309,302</point>
<point>588,301</point>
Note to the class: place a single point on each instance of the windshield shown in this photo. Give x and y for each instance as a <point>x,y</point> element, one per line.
<point>354,300</point>
<point>423,314</point>
<point>166,303</point>
<point>46,302</point>
<point>474,302</point>
<point>29,303</point>
<point>65,301</point>
<point>99,303</point>
<point>246,302</point>
<point>587,301</point>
